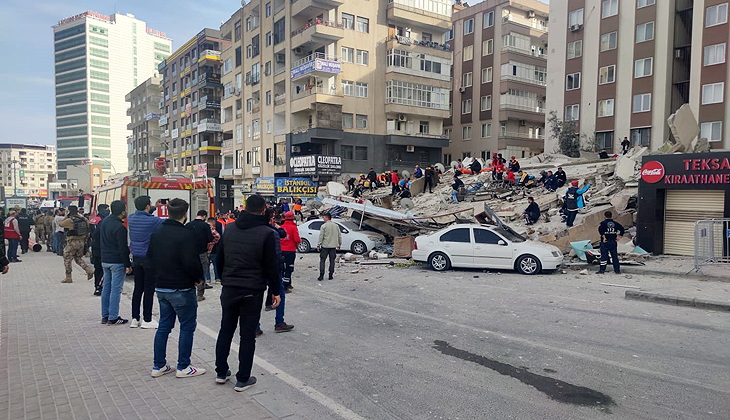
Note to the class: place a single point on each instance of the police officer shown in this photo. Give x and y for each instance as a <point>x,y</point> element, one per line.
<point>610,231</point>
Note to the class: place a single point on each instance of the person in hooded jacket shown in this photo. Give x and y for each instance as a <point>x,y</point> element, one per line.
<point>574,201</point>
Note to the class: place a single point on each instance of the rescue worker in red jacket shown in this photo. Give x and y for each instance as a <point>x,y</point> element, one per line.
<point>289,247</point>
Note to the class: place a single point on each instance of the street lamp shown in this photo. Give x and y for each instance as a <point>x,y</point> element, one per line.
<point>107,161</point>
<point>15,187</point>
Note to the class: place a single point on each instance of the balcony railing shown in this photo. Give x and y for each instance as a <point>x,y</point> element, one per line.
<point>515,135</point>
<point>520,104</point>
<point>415,102</point>
<point>530,23</point>
<point>280,99</point>
<point>315,22</point>
<point>420,11</point>
<point>312,57</point>
<point>412,41</point>
<point>531,53</point>
<point>315,90</point>
<point>531,81</point>
<point>423,135</point>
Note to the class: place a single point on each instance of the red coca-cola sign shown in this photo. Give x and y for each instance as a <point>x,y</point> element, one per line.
<point>652,172</point>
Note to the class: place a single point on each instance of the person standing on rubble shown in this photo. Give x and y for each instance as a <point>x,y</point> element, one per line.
<point>373,177</point>
<point>394,182</point>
<point>625,144</point>
<point>532,212</point>
<point>351,184</point>
<point>611,232</point>
<point>574,201</point>
<point>429,174</point>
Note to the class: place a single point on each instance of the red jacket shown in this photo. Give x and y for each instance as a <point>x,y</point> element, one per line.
<point>394,177</point>
<point>292,236</point>
<point>12,231</point>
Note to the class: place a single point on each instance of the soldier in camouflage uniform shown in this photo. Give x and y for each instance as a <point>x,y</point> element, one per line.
<point>48,223</point>
<point>40,228</point>
<point>77,229</point>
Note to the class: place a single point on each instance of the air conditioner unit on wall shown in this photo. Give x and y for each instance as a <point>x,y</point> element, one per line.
<point>297,51</point>
<point>575,28</point>
<point>295,149</point>
<point>401,117</point>
<point>410,149</point>
<point>523,123</point>
<point>462,89</point>
<point>531,14</point>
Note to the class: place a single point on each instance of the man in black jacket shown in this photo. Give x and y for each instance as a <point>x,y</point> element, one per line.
<point>25,221</point>
<point>373,177</point>
<point>102,211</point>
<point>532,212</point>
<point>202,237</point>
<point>173,253</point>
<point>115,261</point>
<point>248,264</point>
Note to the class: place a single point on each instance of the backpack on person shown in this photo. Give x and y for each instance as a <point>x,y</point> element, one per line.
<point>81,227</point>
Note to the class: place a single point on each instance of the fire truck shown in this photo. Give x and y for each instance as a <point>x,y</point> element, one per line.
<point>198,193</point>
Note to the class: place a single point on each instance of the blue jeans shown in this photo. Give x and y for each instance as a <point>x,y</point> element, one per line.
<point>215,266</point>
<point>59,240</point>
<point>280,309</point>
<point>13,249</point>
<point>184,305</point>
<point>453,197</point>
<point>112,290</point>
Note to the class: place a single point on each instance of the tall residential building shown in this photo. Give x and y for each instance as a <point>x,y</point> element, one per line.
<point>98,60</point>
<point>620,68</point>
<point>26,169</point>
<point>143,145</point>
<point>366,80</point>
<point>190,106</point>
<point>500,74</point>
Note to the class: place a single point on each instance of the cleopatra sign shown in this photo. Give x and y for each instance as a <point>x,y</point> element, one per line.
<point>693,171</point>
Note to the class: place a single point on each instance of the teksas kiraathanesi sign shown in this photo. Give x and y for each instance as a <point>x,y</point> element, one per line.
<point>695,171</point>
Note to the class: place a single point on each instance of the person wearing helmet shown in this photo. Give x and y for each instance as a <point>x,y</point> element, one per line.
<point>574,201</point>
<point>289,247</point>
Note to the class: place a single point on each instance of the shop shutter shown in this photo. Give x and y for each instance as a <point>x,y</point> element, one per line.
<point>682,209</point>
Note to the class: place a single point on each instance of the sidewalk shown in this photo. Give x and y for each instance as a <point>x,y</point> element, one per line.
<point>58,362</point>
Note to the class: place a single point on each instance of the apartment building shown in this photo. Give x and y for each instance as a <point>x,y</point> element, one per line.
<point>143,145</point>
<point>499,79</point>
<point>26,169</point>
<point>367,81</point>
<point>651,56</point>
<point>190,107</point>
<point>98,60</point>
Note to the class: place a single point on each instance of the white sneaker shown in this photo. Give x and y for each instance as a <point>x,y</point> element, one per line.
<point>134,323</point>
<point>156,373</point>
<point>149,325</point>
<point>189,372</point>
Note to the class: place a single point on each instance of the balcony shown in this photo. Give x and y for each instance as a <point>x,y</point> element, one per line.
<point>210,55</point>
<point>280,99</point>
<point>226,173</point>
<point>415,107</point>
<point>525,80</point>
<point>515,139</point>
<point>525,53</point>
<point>163,119</point>
<point>533,23</point>
<point>303,100</point>
<point>210,124</point>
<point>206,103</point>
<point>418,47</point>
<point>399,12</point>
<point>521,108</point>
<point>210,79</point>
<point>316,65</point>
<point>312,8</point>
<point>316,34</point>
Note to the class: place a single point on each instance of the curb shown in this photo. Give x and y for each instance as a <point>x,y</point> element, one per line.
<point>678,300</point>
<point>695,276</point>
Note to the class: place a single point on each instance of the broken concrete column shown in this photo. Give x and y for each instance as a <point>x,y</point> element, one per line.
<point>683,125</point>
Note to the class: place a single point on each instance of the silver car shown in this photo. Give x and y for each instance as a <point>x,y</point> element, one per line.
<point>353,239</point>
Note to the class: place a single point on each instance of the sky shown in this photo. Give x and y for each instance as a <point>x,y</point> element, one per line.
<point>26,39</point>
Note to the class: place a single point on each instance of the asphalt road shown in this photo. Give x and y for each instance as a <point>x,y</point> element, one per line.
<point>409,343</point>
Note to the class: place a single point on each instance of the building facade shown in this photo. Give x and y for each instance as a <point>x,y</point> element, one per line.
<point>499,79</point>
<point>26,169</point>
<point>367,81</point>
<point>190,105</point>
<point>143,145</point>
<point>98,60</point>
<point>651,57</point>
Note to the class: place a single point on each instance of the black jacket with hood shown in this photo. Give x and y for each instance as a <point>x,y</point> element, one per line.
<point>247,255</point>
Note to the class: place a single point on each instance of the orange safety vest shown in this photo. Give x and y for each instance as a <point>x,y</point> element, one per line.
<point>297,207</point>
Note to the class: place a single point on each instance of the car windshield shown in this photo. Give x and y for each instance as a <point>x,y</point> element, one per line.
<point>511,235</point>
<point>348,225</point>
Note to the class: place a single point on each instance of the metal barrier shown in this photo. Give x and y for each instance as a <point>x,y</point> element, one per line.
<point>712,242</point>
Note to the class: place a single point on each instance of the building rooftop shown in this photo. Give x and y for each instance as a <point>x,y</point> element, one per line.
<point>27,146</point>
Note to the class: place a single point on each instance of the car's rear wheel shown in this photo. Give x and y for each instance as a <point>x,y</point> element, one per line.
<point>304,246</point>
<point>529,265</point>
<point>358,247</point>
<point>439,261</point>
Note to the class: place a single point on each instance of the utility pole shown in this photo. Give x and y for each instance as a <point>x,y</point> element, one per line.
<point>15,189</point>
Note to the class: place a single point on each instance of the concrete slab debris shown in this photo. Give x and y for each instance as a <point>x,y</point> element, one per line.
<point>683,125</point>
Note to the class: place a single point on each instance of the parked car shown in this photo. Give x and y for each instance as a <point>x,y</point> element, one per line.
<point>353,239</point>
<point>482,246</point>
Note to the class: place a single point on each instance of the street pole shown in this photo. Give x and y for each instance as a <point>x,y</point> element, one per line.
<point>15,179</point>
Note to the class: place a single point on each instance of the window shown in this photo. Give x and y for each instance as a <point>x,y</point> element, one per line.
<point>348,21</point>
<point>347,152</point>
<point>430,66</point>
<point>488,20</point>
<point>362,57</point>
<point>642,102</point>
<point>348,88</point>
<point>399,58</point>
<point>643,67</point>
<point>267,68</point>
<point>487,75</point>
<point>268,38</point>
<point>644,32</point>
<point>268,9</point>
<point>347,122</point>
<point>608,41</point>
<point>466,80</point>
<point>575,17</point>
<point>486,130</point>
<point>607,75</point>
<point>488,47</point>
<point>361,122</point>
<point>279,31</point>
<point>644,3</point>
<point>712,93</point>
<point>484,236</point>
<point>347,55</point>
<point>361,153</point>
<point>268,97</point>
<point>610,8</point>
<point>572,81</point>
<point>575,49</point>
<point>423,127</point>
<point>466,132</point>
<point>716,15</point>
<point>487,103</point>
<point>468,52</point>
<point>640,136</point>
<point>604,140</point>
<point>363,25</point>
<point>466,106</point>
<point>468,26</point>
<point>362,90</point>
<point>714,54</point>
<point>228,65</point>
<point>712,131</point>
<point>456,235</point>
<point>605,108</point>
<point>572,112</point>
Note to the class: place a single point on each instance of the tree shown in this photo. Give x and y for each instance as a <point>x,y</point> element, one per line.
<point>567,134</point>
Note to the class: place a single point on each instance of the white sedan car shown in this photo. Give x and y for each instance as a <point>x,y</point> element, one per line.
<point>353,239</point>
<point>481,246</point>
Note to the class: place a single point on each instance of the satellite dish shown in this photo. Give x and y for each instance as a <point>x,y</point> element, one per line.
<point>440,167</point>
<point>406,174</point>
<point>321,195</point>
<point>453,164</point>
<point>406,203</point>
<point>315,204</point>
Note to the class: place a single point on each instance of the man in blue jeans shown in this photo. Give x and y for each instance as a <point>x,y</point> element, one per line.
<point>115,262</point>
<point>178,271</point>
